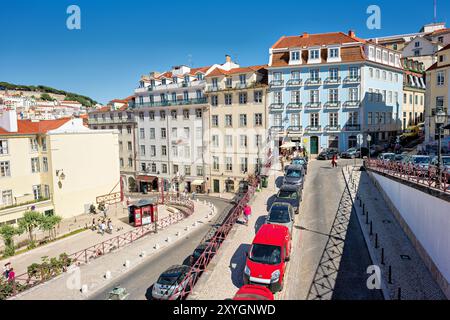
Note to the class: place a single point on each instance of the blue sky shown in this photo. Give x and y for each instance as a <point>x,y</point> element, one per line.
<point>121,40</point>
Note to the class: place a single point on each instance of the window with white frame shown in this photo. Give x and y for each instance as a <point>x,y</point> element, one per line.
<point>370,95</point>
<point>354,94</point>
<point>214,120</point>
<point>278,120</point>
<point>44,164</point>
<point>334,74</point>
<point>295,96</point>
<point>354,72</point>
<point>228,120</point>
<point>35,165</point>
<point>34,146</point>
<point>353,118</point>
<point>295,119</point>
<point>5,169</point>
<point>333,95</point>
<point>314,74</point>
<point>371,72</point>
<point>242,120</point>
<point>164,150</point>
<point>314,120</point>
<point>228,141</point>
<point>441,78</point>
<point>4,147</point>
<point>258,119</point>
<point>7,197</point>
<point>244,165</point>
<point>214,100</point>
<point>142,150</point>
<point>333,53</point>
<point>277,97</point>
<point>295,75</point>
<point>228,99</point>
<point>295,55</point>
<point>37,192</point>
<point>175,151</point>
<point>153,151</point>
<point>215,141</point>
<point>243,98</point>
<point>228,163</point>
<point>152,133</point>
<point>216,166</point>
<point>333,119</point>
<point>258,95</point>
<point>142,133</point>
<point>258,140</point>
<point>44,144</point>
<point>243,141</point>
<point>174,132</point>
<point>314,96</point>
<point>314,54</point>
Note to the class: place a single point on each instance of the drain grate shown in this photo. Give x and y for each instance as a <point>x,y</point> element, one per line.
<point>405,257</point>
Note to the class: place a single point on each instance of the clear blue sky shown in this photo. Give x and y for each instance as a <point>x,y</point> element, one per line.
<point>121,40</point>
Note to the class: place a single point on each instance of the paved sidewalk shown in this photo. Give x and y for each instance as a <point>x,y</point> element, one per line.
<point>408,270</point>
<point>77,242</point>
<point>68,285</point>
<point>224,273</point>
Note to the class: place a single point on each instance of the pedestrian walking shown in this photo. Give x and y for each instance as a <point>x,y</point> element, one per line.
<point>247,213</point>
<point>102,228</point>
<point>6,269</point>
<point>11,275</point>
<point>333,161</point>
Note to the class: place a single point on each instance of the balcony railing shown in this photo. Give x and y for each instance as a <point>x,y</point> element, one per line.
<point>331,80</point>
<point>212,88</point>
<point>313,82</point>
<point>276,83</point>
<point>352,127</point>
<point>333,128</point>
<point>313,129</point>
<point>352,104</point>
<point>241,86</point>
<point>352,79</point>
<point>276,129</point>
<point>332,105</point>
<point>172,103</point>
<point>294,106</point>
<point>276,107</point>
<point>313,105</point>
<point>295,129</point>
<point>294,83</point>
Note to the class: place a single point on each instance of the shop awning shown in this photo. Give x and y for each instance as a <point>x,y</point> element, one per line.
<point>288,145</point>
<point>197,182</point>
<point>146,178</point>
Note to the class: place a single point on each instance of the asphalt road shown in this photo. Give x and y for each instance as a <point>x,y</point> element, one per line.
<point>139,281</point>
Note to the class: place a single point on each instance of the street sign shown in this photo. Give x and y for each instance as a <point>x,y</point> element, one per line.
<point>369,138</point>
<point>359,138</point>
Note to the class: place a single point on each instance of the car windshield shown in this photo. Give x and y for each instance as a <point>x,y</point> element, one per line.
<point>279,214</point>
<point>298,161</point>
<point>266,254</point>
<point>446,161</point>
<point>170,279</point>
<point>293,173</point>
<point>421,160</point>
<point>351,150</point>
<point>389,156</point>
<point>287,194</point>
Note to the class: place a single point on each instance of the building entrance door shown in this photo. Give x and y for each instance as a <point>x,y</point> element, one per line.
<point>216,186</point>
<point>314,145</point>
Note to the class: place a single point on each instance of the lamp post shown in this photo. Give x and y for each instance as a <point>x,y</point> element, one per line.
<point>440,119</point>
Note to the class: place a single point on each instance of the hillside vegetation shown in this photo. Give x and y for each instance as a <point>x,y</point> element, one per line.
<point>44,91</point>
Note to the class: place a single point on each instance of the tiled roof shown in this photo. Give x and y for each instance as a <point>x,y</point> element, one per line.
<point>194,71</point>
<point>435,67</point>
<point>441,31</point>
<point>38,127</point>
<point>309,40</point>
<point>219,72</point>
<point>348,54</point>
<point>445,48</point>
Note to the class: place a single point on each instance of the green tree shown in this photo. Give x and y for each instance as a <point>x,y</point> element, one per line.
<point>49,224</point>
<point>7,233</point>
<point>46,97</point>
<point>30,221</point>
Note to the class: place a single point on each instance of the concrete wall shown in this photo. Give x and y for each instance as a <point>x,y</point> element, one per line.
<point>426,220</point>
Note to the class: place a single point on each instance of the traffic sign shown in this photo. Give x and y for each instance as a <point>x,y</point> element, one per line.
<point>369,138</point>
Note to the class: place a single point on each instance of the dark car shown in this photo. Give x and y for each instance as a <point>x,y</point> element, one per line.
<point>328,154</point>
<point>281,213</point>
<point>290,194</point>
<point>301,161</point>
<point>199,251</point>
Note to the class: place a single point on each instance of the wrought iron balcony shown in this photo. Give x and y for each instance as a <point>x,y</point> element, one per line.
<point>352,104</point>
<point>313,105</point>
<point>294,106</point>
<point>294,83</point>
<point>334,128</point>
<point>313,129</point>
<point>276,107</point>
<point>295,129</point>
<point>352,127</point>
<point>351,79</point>
<point>172,103</point>
<point>276,83</point>
<point>332,105</point>
<point>313,82</point>
<point>331,80</point>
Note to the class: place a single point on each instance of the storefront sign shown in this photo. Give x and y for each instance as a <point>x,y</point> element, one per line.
<point>109,198</point>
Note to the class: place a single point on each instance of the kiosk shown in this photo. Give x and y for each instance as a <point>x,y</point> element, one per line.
<point>143,212</point>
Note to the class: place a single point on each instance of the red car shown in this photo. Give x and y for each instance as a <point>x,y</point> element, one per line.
<point>266,261</point>
<point>253,292</point>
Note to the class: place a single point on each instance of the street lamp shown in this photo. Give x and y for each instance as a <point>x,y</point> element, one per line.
<point>440,119</point>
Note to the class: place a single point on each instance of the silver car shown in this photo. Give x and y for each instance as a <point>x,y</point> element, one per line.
<point>281,213</point>
<point>294,175</point>
<point>171,283</point>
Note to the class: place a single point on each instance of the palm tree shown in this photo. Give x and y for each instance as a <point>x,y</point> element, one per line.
<point>49,223</point>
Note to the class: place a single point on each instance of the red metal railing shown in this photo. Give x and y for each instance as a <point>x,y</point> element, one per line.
<point>24,281</point>
<point>189,281</point>
<point>426,176</point>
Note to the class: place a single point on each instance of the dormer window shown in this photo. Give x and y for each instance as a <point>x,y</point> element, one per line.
<point>242,79</point>
<point>333,53</point>
<point>175,79</point>
<point>163,81</point>
<point>186,79</point>
<point>295,56</point>
<point>371,53</point>
<point>314,54</point>
<point>378,54</point>
<point>229,82</point>
<point>152,83</point>
<point>199,76</point>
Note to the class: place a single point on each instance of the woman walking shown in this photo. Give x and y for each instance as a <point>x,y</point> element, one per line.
<point>247,213</point>
<point>333,161</point>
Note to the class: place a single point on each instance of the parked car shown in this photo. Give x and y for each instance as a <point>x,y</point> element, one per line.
<point>399,158</point>
<point>171,282</point>
<point>349,154</point>
<point>294,175</point>
<point>199,251</point>
<point>375,150</point>
<point>253,292</point>
<point>266,260</point>
<point>281,213</point>
<point>290,194</point>
<point>419,161</point>
<point>328,154</point>
<point>387,156</point>
<point>362,152</point>
<point>301,161</point>
<point>445,165</point>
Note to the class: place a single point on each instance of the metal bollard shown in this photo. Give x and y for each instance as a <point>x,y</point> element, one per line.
<point>390,275</point>
<point>84,289</point>
<point>371,228</point>
<point>399,294</point>
<point>364,208</point>
<point>108,274</point>
<point>376,240</point>
<point>156,247</point>
<point>367,217</point>
<point>382,256</point>
<point>127,264</point>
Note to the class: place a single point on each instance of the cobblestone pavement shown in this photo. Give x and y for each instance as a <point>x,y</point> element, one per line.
<point>67,286</point>
<point>409,272</point>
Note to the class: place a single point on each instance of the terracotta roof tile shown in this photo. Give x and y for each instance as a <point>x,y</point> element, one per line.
<point>38,127</point>
<point>309,40</point>
<point>219,72</point>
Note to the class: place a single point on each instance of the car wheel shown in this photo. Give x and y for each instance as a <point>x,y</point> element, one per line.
<point>281,285</point>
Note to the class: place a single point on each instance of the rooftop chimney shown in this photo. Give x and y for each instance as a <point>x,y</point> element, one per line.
<point>8,120</point>
<point>305,35</point>
<point>227,58</point>
<point>351,33</point>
